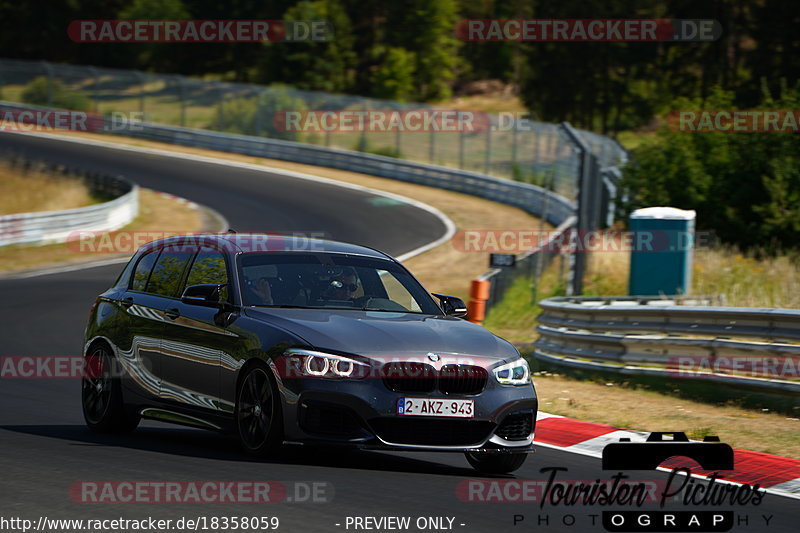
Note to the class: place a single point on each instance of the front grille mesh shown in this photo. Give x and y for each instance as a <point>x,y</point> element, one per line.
<point>413,377</point>
<point>409,376</point>
<point>516,426</point>
<point>462,379</point>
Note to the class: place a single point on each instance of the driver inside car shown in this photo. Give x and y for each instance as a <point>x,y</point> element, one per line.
<point>343,285</point>
<point>260,292</point>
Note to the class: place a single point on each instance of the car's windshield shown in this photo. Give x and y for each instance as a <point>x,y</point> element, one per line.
<point>330,281</point>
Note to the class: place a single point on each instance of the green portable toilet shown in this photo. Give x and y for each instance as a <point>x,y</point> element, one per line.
<point>661,251</point>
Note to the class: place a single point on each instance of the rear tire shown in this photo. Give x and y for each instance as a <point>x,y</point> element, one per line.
<point>495,463</point>
<point>259,418</point>
<point>101,393</point>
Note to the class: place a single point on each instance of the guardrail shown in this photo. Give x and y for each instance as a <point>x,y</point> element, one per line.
<point>683,338</point>
<point>506,145</point>
<point>597,187</point>
<point>57,226</point>
<point>531,198</point>
<point>528,197</point>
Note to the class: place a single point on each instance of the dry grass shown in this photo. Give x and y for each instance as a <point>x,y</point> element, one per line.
<point>515,318</point>
<point>746,281</point>
<point>156,212</point>
<point>491,103</point>
<point>742,279</point>
<point>37,190</point>
<point>645,410</point>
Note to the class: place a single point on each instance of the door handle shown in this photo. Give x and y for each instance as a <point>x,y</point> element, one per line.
<point>127,302</point>
<point>172,313</point>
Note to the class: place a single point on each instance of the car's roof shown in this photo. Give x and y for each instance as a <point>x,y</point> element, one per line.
<point>266,243</point>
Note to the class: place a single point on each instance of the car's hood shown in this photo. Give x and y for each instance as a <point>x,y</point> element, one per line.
<point>387,335</point>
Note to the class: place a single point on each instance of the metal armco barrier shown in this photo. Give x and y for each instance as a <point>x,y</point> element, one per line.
<point>57,226</point>
<point>678,338</point>
<point>528,197</point>
<point>531,198</point>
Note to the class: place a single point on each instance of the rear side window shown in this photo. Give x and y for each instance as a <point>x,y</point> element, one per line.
<point>209,267</point>
<point>168,272</point>
<point>142,272</point>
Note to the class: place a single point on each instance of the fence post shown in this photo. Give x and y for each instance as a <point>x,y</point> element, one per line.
<point>487,161</point>
<point>514,133</point>
<point>589,193</point>
<point>549,186</point>
<point>96,77</point>
<point>48,69</point>
<point>142,81</point>
<point>432,146</point>
<point>461,149</point>
<point>362,139</point>
<point>259,111</point>
<point>182,92</point>
<point>221,123</point>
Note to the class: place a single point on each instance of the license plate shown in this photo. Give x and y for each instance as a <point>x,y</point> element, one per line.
<point>435,407</point>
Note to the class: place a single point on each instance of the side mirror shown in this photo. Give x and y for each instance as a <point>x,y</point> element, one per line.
<point>451,305</point>
<point>206,294</point>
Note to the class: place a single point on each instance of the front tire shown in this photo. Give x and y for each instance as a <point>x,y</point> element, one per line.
<point>101,394</point>
<point>259,419</point>
<point>495,463</point>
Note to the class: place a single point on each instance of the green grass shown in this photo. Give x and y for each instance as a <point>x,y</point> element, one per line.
<point>514,318</point>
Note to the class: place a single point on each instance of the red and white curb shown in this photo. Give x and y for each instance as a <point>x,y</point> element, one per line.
<point>188,203</point>
<point>778,475</point>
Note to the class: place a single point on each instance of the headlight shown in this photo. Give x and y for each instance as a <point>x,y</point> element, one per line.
<point>514,373</point>
<point>309,363</point>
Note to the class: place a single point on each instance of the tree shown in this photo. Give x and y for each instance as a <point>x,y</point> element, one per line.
<point>430,30</point>
<point>321,66</point>
<point>744,186</point>
<point>393,79</point>
<point>156,56</point>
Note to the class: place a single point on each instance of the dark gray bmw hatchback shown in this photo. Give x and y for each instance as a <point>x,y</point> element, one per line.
<point>282,340</point>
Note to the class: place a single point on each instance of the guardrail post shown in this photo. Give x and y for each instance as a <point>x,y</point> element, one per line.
<point>479,293</point>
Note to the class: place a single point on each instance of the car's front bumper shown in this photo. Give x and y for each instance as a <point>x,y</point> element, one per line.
<point>363,413</point>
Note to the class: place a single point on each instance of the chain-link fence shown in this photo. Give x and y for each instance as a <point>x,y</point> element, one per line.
<point>505,146</point>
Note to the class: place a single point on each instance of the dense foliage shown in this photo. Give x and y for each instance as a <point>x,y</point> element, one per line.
<point>409,51</point>
<point>744,186</point>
